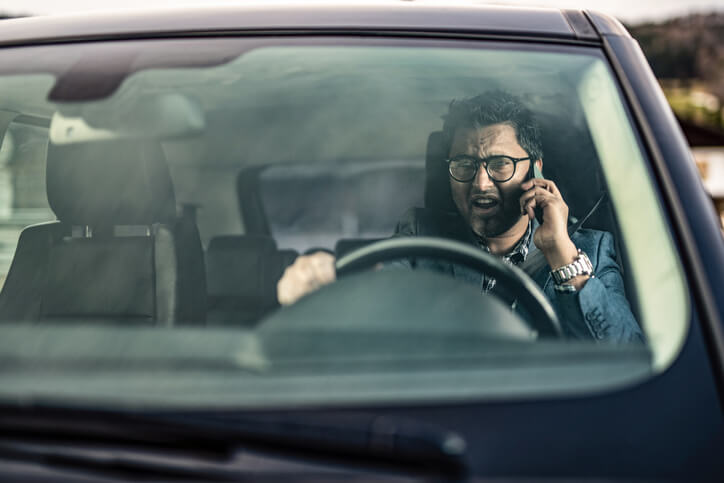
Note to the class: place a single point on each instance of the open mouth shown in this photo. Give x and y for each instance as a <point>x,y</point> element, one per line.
<point>485,203</point>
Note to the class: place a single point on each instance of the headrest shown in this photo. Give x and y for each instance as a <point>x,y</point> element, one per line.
<point>118,182</point>
<point>437,183</point>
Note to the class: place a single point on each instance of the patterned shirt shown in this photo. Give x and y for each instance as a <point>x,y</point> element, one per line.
<point>515,256</point>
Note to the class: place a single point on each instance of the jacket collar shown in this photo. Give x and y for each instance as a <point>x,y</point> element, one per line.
<point>456,228</point>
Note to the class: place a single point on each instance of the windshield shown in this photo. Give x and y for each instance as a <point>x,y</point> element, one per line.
<point>255,222</point>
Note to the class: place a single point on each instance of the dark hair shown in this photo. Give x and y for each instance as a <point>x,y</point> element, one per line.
<point>494,107</point>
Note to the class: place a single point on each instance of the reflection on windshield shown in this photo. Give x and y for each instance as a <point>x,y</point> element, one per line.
<point>314,222</point>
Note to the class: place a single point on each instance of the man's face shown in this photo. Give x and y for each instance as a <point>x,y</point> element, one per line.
<point>490,209</point>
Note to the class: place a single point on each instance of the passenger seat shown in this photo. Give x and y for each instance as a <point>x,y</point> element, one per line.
<point>117,253</point>
<point>242,272</point>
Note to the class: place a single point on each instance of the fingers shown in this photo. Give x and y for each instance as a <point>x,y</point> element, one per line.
<point>546,184</point>
<point>529,209</point>
<point>537,196</point>
<point>526,198</point>
<point>321,269</point>
<point>527,203</point>
<point>305,275</point>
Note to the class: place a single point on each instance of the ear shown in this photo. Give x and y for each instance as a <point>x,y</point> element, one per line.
<point>539,164</point>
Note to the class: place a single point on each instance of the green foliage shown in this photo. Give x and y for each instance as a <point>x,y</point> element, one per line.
<point>687,56</point>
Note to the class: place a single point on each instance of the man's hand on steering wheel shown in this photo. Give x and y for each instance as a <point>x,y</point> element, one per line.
<point>305,275</point>
<point>310,272</point>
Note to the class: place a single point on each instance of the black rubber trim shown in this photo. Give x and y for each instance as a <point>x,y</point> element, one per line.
<point>606,25</point>
<point>712,328</point>
<point>581,25</point>
<point>434,34</point>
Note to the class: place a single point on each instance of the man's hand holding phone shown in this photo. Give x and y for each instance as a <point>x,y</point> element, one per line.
<point>551,237</point>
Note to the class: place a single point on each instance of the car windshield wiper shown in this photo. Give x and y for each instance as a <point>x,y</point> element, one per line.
<point>58,437</point>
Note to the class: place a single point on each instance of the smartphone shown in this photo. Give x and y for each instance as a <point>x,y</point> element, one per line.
<point>535,172</point>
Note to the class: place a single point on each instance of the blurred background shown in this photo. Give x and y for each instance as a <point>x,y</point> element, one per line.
<point>682,39</point>
<point>687,55</point>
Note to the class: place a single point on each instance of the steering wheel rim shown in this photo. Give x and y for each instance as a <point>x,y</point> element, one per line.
<point>526,291</point>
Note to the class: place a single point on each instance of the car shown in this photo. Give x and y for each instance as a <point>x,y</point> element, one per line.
<point>163,171</point>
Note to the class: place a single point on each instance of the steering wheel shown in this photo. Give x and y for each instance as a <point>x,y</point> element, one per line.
<point>526,291</point>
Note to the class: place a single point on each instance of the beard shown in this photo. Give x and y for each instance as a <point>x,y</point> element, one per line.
<point>503,219</point>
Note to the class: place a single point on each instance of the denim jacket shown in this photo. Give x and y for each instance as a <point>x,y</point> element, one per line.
<point>599,311</point>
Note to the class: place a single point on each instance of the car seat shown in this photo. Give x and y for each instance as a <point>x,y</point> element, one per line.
<point>118,252</point>
<point>437,184</point>
<point>242,273</point>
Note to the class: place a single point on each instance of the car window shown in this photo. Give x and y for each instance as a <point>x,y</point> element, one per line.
<point>22,177</point>
<point>150,211</point>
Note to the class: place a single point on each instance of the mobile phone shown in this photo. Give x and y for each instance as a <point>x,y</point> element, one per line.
<point>535,172</point>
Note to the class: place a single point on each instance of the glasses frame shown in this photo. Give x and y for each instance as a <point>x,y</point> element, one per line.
<point>483,161</point>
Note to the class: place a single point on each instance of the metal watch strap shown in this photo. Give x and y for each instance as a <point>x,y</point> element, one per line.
<point>580,266</point>
<point>564,288</point>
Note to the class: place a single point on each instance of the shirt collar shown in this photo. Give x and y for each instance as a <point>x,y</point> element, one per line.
<point>519,252</point>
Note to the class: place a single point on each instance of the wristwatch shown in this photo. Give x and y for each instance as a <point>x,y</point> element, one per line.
<point>580,266</point>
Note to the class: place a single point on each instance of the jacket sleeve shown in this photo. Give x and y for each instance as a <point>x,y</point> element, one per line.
<point>600,309</point>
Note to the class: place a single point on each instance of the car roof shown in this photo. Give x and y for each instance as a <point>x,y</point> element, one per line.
<point>401,16</point>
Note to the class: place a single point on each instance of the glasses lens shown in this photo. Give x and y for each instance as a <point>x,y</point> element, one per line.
<point>463,169</point>
<point>500,168</point>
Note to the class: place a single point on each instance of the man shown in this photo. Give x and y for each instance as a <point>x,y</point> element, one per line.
<point>493,150</point>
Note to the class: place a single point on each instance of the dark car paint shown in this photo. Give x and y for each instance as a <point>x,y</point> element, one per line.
<point>670,426</point>
<point>400,16</point>
<point>606,25</point>
<point>667,427</point>
<point>694,223</point>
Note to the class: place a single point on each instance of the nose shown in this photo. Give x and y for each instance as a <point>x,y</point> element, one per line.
<point>482,181</point>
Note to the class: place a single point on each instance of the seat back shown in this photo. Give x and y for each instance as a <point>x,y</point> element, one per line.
<point>242,274</point>
<point>118,251</point>
<point>437,183</point>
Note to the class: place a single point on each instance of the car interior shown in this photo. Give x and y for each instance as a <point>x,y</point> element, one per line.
<point>122,249</point>
<point>169,229</point>
<point>161,171</point>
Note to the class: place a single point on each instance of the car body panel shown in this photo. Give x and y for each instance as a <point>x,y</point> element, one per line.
<point>607,25</point>
<point>402,16</point>
<point>695,220</point>
<point>669,426</point>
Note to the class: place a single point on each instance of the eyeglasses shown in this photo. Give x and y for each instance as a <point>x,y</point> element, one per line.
<point>501,168</point>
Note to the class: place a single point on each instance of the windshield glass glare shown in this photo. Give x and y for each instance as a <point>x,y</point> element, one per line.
<point>321,221</point>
